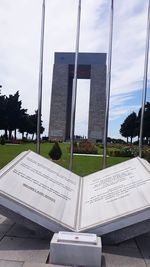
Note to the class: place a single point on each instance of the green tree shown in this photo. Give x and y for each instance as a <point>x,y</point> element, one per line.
<point>24,124</point>
<point>146,122</point>
<point>31,125</point>
<point>3,114</point>
<point>146,130</point>
<point>14,113</point>
<point>13,117</point>
<point>129,126</point>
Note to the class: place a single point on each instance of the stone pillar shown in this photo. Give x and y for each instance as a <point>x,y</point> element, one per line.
<point>59,98</point>
<point>90,66</point>
<point>97,103</point>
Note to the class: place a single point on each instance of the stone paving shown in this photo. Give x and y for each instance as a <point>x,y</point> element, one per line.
<point>21,247</point>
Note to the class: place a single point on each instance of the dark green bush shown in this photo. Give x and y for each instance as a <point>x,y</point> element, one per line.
<point>127,151</point>
<point>2,140</point>
<point>146,154</point>
<point>75,147</point>
<point>55,153</point>
<point>114,153</point>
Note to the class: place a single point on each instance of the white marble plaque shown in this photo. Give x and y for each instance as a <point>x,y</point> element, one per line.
<point>77,237</point>
<point>114,192</point>
<point>50,195</point>
<point>44,187</point>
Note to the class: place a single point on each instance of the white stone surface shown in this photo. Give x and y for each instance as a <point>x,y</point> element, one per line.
<point>38,180</point>
<point>83,238</point>
<point>101,203</point>
<point>80,251</point>
<point>115,197</point>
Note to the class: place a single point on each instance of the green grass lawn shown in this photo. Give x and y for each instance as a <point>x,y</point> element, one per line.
<point>82,165</point>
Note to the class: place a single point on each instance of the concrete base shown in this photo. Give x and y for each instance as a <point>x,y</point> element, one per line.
<point>77,249</point>
<point>110,238</point>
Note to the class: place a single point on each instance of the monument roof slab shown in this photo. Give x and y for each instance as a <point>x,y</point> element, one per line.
<point>83,58</point>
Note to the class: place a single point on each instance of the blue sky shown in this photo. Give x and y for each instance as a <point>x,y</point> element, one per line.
<point>20,44</point>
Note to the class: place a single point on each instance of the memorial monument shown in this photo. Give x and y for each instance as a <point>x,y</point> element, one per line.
<point>90,66</point>
<point>108,202</point>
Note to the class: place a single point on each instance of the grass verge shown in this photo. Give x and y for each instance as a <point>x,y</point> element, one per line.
<point>82,165</point>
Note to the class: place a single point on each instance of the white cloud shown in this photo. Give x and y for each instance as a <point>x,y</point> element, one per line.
<point>20,44</point>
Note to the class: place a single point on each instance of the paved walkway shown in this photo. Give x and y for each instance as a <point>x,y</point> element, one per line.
<point>21,247</point>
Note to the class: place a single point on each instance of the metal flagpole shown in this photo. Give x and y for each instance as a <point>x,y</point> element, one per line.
<point>144,81</point>
<point>108,81</point>
<point>40,79</point>
<point>74,88</point>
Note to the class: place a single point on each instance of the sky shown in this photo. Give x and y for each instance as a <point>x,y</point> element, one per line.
<point>20,22</point>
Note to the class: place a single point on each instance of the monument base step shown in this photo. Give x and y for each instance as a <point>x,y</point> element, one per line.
<point>114,237</point>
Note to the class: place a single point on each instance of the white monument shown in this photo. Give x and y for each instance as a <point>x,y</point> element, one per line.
<point>49,195</point>
<point>77,249</point>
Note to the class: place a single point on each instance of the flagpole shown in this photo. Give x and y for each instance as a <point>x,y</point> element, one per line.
<point>144,81</point>
<point>40,80</point>
<point>74,88</point>
<point>108,81</point>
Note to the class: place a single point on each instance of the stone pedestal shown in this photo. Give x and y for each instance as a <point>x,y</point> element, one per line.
<point>79,249</point>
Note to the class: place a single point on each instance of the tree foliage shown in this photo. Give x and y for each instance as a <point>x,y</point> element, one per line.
<point>13,117</point>
<point>146,124</point>
<point>131,126</point>
<point>3,114</point>
<point>128,127</point>
<point>30,125</point>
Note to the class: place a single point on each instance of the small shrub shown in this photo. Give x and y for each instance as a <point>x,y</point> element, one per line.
<point>114,153</point>
<point>75,147</point>
<point>124,152</point>
<point>85,147</point>
<point>129,152</point>
<point>2,140</point>
<point>45,138</point>
<point>146,154</point>
<point>55,153</point>
<point>16,141</point>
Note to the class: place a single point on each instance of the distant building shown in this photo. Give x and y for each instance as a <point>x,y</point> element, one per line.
<point>90,66</point>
